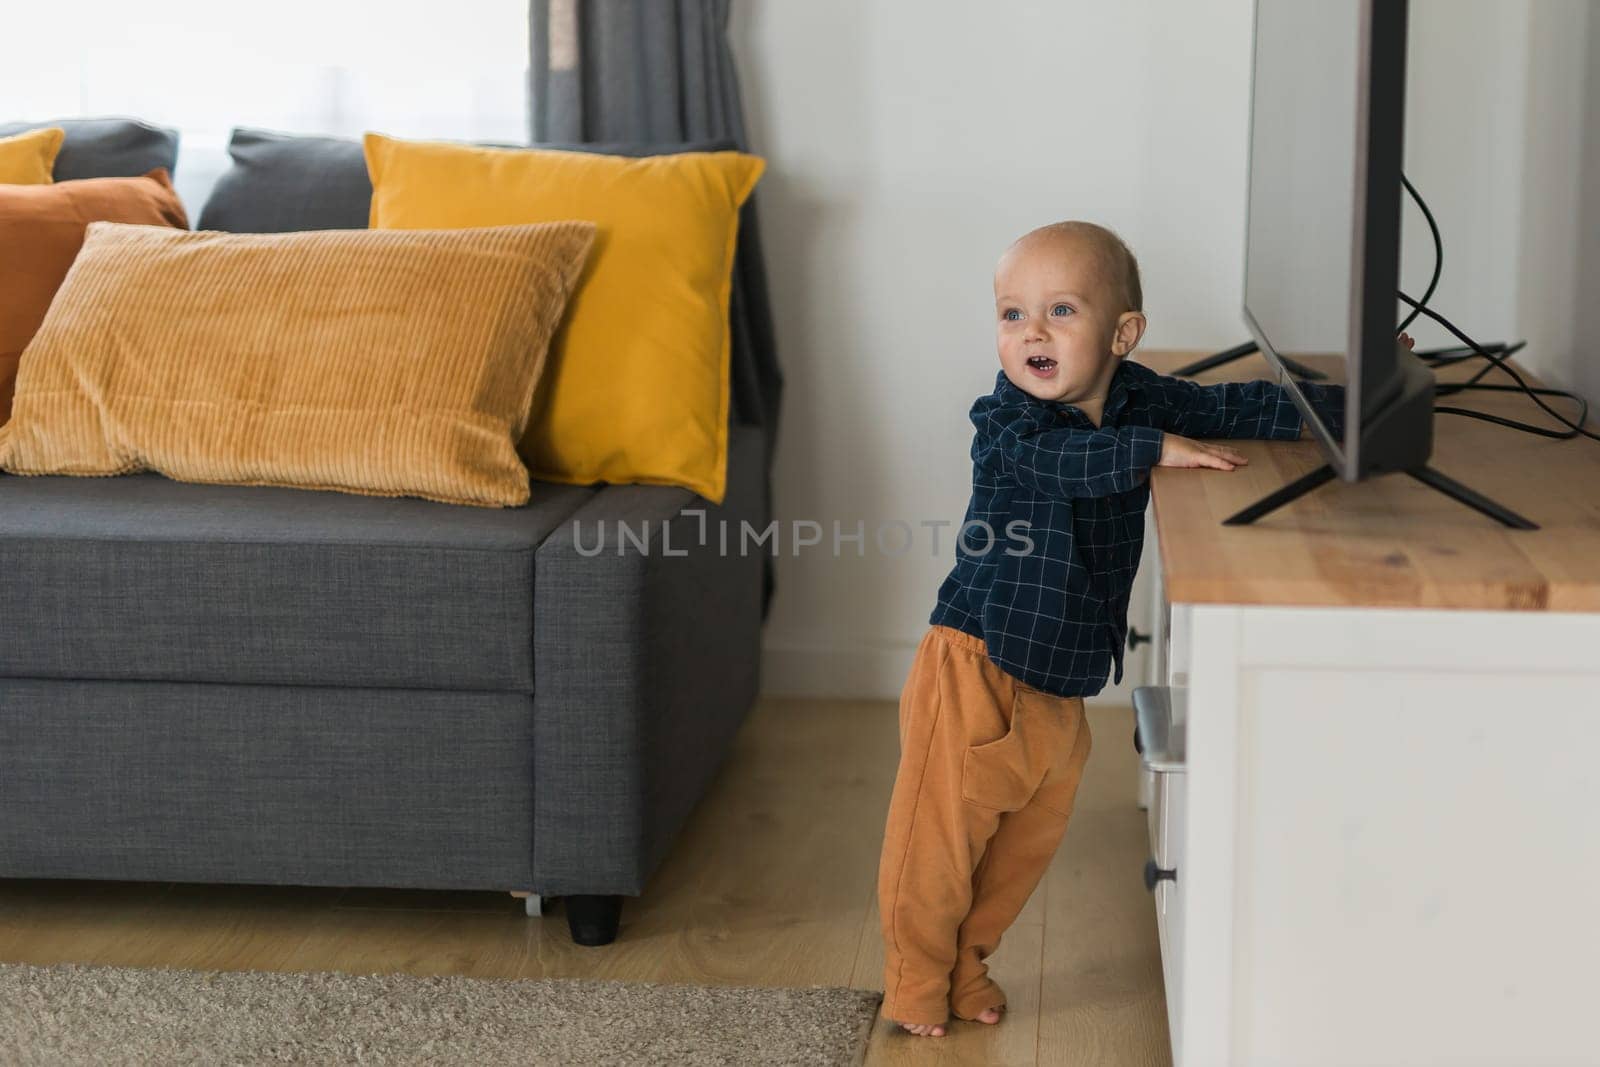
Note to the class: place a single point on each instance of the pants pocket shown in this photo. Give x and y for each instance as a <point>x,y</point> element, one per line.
<point>1060,785</point>
<point>1002,775</point>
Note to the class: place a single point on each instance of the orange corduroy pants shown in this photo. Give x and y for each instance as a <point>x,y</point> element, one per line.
<point>988,771</point>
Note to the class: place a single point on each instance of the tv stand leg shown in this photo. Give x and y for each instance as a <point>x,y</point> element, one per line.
<point>1200,366</point>
<point>1426,475</point>
<point>1456,491</point>
<point>1291,492</point>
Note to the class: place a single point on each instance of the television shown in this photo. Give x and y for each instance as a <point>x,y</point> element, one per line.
<point>1322,237</point>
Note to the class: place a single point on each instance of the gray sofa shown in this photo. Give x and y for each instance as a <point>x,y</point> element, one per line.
<point>274,686</point>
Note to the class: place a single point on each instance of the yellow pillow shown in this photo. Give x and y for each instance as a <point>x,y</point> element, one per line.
<point>637,389</point>
<point>28,158</point>
<point>383,363</point>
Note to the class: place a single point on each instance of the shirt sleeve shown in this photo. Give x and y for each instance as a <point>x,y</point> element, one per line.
<point>1258,409</point>
<point>1069,463</point>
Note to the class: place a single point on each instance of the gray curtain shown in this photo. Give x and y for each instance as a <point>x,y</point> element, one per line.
<point>660,73</point>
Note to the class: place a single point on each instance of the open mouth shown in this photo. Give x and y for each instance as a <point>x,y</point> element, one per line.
<point>1041,364</point>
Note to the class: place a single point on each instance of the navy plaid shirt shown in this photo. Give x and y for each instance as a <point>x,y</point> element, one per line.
<point>1055,615</point>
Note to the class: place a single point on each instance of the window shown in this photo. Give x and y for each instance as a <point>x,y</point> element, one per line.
<point>450,69</point>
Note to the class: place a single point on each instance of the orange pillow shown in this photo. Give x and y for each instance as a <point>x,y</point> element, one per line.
<point>41,230</point>
<point>367,361</point>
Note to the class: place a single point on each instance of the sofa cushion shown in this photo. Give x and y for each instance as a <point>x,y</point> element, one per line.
<point>395,364</point>
<point>145,578</point>
<point>281,181</point>
<point>42,228</point>
<point>29,158</point>
<point>107,148</point>
<point>663,264</point>
<point>287,785</point>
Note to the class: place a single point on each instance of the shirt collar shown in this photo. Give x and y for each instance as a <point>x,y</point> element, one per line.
<point>1116,396</point>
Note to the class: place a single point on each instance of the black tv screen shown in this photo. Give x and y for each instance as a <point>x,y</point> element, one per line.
<point>1322,251</point>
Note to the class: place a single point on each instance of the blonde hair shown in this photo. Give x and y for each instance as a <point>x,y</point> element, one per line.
<point>1112,255</point>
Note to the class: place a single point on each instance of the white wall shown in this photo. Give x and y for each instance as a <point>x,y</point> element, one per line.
<point>1585,359</point>
<point>911,140</point>
<point>1503,140</point>
<point>1556,272</point>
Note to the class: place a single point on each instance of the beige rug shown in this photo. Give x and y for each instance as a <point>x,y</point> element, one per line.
<point>72,1014</point>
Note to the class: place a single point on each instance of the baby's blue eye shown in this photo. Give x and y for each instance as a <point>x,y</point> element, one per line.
<point>1012,315</point>
<point>1061,309</point>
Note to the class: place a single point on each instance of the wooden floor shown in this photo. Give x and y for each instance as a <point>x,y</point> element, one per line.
<point>771,884</point>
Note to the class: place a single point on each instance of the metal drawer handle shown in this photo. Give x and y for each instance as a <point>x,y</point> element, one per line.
<point>1159,740</point>
<point>1154,874</point>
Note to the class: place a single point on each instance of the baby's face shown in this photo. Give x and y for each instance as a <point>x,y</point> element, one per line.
<point>1055,320</point>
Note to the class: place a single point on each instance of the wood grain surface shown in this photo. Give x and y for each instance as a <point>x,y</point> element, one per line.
<point>1391,541</point>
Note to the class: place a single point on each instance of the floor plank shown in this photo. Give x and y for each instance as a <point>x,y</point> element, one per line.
<point>1102,997</point>
<point>772,883</point>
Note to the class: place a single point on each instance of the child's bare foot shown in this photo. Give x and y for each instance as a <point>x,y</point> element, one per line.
<point>923,1029</point>
<point>988,1015</point>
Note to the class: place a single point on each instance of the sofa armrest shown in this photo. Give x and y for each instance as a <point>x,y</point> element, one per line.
<point>647,639</point>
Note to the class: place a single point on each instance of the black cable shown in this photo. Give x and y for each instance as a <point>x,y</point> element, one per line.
<point>1500,362</point>
<point>1582,416</point>
<point>1438,255</point>
<point>1496,355</point>
<point>1444,356</point>
<point>1472,382</point>
<point>1462,355</point>
<point>1451,388</point>
<point>1560,435</point>
<point>1451,351</point>
<point>1475,382</point>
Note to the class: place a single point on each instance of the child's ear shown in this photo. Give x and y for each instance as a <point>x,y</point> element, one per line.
<point>1130,328</point>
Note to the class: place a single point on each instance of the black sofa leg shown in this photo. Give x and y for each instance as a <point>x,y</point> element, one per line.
<point>593,920</point>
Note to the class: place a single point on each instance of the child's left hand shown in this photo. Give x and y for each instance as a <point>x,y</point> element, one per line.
<point>1407,340</point>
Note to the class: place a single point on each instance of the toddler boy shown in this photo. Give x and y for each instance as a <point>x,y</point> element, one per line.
<point>1033,617</point>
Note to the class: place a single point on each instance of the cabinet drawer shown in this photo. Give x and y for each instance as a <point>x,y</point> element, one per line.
<point>1176,635</point>
<point>1164,717</point>
<point>1165,846</point>
<point>1157,711</point>
<point>1168,851</point>
<point>1152,814</point>
<point>1173,792</point>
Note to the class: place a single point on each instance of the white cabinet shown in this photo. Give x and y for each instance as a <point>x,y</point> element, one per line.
<point>1147,614</point>
<point>1141,659</point>
<point>1390,760</point>
<point>1375,807</point>
<point>1170,906</point>
<point>1159,712</point>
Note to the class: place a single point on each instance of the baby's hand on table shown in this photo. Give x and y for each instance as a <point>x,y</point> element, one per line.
<point>1182,452</point>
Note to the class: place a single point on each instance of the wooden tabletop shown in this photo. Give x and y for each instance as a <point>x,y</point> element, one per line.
<point>1391,541</point>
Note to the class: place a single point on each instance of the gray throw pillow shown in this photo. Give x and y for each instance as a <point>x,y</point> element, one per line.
<point>107,148</point>
<point>282,182</point>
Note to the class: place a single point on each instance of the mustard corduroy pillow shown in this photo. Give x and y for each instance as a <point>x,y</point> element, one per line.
<point>638,388</point>
<point>29,158</point>
<point>385,363</point>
